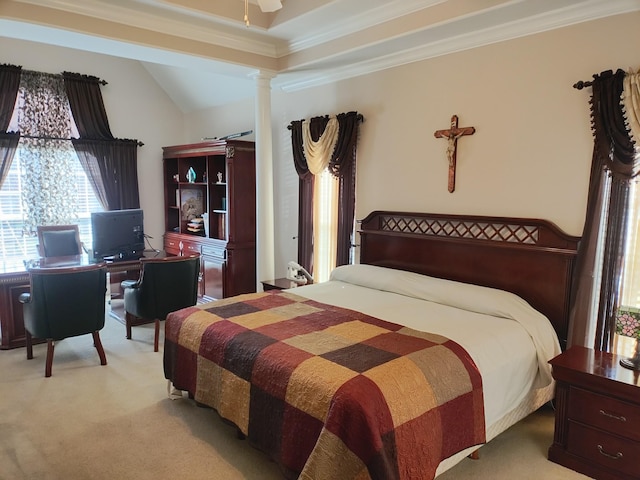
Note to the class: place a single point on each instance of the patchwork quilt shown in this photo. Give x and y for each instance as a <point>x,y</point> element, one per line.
<point>327,392</point>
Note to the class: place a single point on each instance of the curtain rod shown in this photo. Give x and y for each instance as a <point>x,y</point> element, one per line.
<point>45,137</point>
<point>59,75</point>
<point>359,117</point>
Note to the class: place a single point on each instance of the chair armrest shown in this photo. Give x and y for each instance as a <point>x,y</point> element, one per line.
<point>24,297</point>
<point>129,284</point>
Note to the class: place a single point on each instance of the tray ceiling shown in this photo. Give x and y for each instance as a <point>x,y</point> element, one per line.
<point>190,45</point>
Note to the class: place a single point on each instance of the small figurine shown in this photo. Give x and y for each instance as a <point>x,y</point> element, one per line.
<point>191,175</point>
<point>219,177</point>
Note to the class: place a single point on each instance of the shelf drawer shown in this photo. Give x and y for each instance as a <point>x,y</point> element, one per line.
<point>607,413</point>
<point>172,246</point>
<point>189,247</point>
<point>609,451</point>
<point>214,251</point>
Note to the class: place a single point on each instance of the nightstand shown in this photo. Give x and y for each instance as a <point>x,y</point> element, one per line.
<point>279,284</point>
<point>597,426</point>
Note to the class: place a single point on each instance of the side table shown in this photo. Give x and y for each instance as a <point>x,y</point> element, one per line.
<point>597,425</point>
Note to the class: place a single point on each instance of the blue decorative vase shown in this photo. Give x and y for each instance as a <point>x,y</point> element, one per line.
<point>191,175</point>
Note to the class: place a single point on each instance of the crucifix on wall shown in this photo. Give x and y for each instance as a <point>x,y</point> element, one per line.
<point>452,135</point>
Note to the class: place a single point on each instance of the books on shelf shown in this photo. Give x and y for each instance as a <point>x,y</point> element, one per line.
<point>195,225</point>
<point>222,225</point>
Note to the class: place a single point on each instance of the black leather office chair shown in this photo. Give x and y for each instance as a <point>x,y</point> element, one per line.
<point>165,285</point>
<point>65,302</point>
<point>59,240</point>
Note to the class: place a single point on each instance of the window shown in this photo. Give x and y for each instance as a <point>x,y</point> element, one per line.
<point>324,156</point>
<point>325,225</point>
<point>15,245</point>
<point>631,273</point>
<point>46,184</point>
<point>630,287</point>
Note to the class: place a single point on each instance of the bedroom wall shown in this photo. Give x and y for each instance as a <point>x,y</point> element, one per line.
<point>530,155</point>
<point>136,106</point>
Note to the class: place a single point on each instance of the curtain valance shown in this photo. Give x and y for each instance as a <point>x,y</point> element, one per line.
<point>613,143</point>
<point>631,104</point>
<point>344,127</point>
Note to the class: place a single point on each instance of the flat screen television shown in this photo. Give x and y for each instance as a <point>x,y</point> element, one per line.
<point>118,234</point>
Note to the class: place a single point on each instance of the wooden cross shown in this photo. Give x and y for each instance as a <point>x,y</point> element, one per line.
<point>452,135</point>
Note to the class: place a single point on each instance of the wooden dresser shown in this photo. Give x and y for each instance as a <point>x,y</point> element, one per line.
<point>597,426</point>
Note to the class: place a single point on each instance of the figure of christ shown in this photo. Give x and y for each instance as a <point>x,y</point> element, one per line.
<point>452,135</point>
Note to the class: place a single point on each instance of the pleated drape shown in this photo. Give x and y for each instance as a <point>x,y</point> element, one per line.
<point>9,85</point>
<point>614,164</point>
<point>110,163</point>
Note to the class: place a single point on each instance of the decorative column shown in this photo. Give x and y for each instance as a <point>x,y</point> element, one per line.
<point>265,236</point>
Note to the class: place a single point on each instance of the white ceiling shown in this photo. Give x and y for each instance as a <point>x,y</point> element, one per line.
<point>203,55</point>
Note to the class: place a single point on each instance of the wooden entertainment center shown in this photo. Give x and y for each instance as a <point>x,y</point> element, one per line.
<point>210,208</point>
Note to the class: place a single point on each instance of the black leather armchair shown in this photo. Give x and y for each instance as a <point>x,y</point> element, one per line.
<point>65,302</point>
<point>165,285</point>
<point>59,240</point>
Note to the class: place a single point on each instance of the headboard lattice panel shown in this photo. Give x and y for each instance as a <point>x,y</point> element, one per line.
<point>530,257</point>
<point>449,227</point>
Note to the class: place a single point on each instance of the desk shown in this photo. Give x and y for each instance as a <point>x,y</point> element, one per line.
<point>14,280</point>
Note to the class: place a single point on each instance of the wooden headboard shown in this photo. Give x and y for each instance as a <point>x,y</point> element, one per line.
<point>529,257</point>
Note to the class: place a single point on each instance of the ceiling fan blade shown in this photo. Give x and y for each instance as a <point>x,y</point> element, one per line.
<point>269,5</point>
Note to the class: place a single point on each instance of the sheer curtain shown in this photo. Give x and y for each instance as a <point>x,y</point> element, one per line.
<point>325,221</point>
<point>597,279</point>
<point>46,158</point>
<point>630,294</point>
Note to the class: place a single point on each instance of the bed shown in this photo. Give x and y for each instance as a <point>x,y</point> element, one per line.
<point>399,366</point>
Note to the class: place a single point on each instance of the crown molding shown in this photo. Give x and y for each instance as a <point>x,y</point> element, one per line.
<point>191,27</point>
<point>572,15</point>
<point>366,19</point>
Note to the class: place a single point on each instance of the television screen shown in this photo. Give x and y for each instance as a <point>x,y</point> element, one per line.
<point>118,234</point>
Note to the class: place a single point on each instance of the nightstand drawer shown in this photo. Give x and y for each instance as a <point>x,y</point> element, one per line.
<point>600,448</point>
<point>607,413</point>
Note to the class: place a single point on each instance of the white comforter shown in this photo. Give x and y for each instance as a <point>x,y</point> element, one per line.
<point>510,342</point>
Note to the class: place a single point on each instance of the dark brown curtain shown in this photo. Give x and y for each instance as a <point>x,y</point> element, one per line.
<point>112,167</point>
<point>110,164</point>
<point>122,186</point>
<point>9,84</point>
<point>342,165</point>
<point>305,189</point>
<point>613,166</point>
